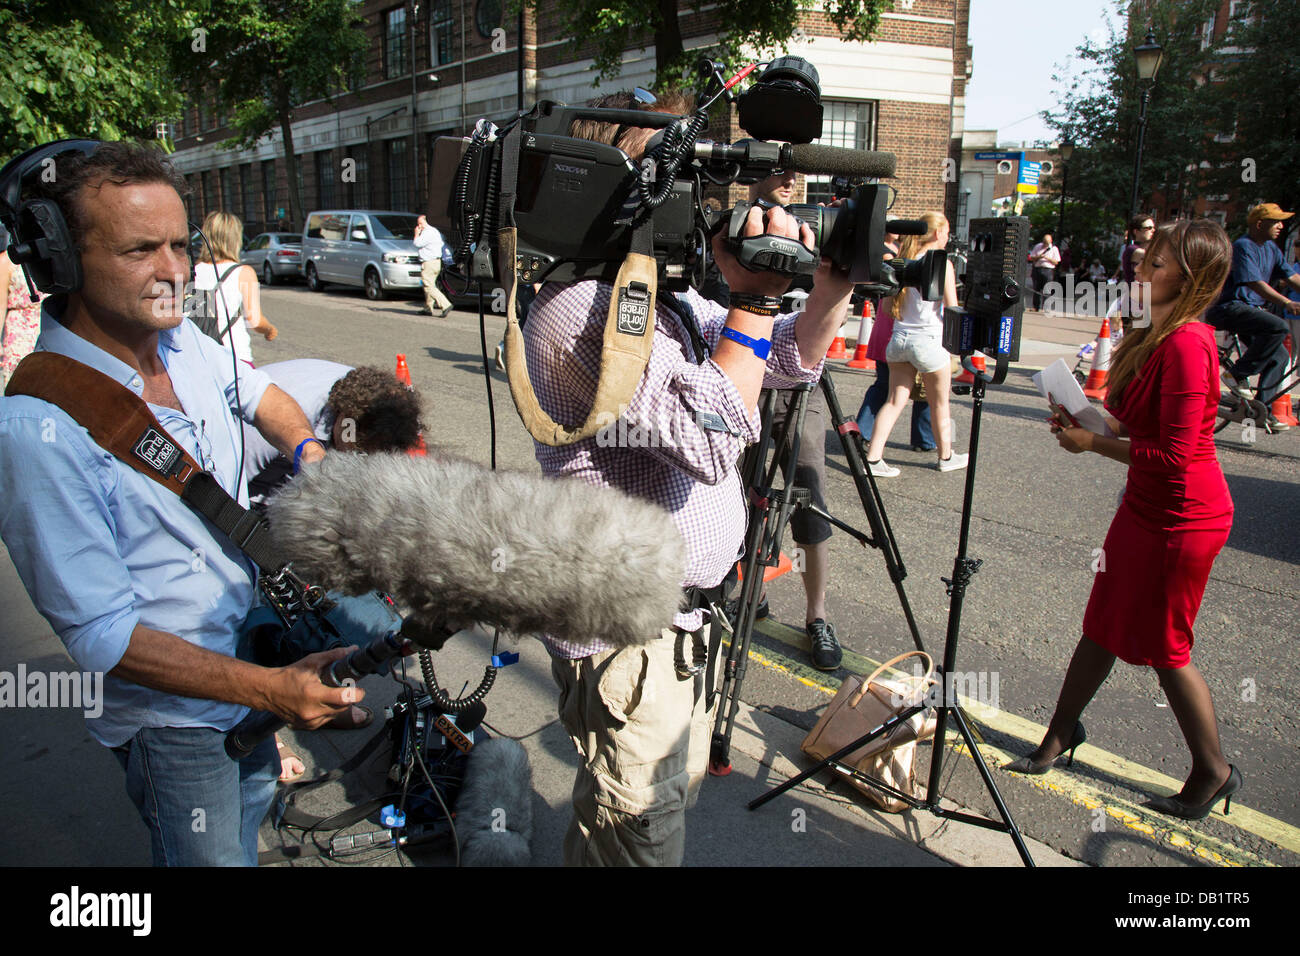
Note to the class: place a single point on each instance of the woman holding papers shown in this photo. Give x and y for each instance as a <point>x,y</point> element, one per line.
<point>1174,516</point>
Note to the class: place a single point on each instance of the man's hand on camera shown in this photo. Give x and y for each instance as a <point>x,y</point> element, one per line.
<point>778,223</point>
<point>302,700</point>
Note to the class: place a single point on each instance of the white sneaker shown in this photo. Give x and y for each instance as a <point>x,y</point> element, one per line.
<point>954,462</point>
<point>1235,385</point>
<point>882,470</point>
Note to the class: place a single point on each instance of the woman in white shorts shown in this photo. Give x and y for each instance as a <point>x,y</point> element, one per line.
<point>916,345</point>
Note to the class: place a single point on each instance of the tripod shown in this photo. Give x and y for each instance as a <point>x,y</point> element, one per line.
<point>769,511</point>
<point>964,568</point>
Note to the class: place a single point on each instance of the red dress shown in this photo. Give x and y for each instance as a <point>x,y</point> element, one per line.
<point>1176,511</point>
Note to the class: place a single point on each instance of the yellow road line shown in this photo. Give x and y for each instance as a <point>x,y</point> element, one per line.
<point>1130,815</point>
<point>1259,824</point>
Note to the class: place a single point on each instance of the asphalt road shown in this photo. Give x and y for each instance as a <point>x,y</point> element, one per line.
<point>1039,515</point>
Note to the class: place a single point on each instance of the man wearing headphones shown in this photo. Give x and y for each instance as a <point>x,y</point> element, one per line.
<point>137,584</point>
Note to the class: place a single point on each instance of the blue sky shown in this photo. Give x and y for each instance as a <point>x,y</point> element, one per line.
<point>1018,46</point>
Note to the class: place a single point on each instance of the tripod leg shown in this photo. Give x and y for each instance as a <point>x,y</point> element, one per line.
<point>761,549</point>
<point>882,534</point>
<point>989,785</point>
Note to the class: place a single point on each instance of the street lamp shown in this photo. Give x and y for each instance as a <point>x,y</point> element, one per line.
<point>1065,150</point>
<point>1149,57</point>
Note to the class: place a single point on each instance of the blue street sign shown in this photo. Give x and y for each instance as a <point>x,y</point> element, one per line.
<point>1029,173</point>
<point>1000,155</point>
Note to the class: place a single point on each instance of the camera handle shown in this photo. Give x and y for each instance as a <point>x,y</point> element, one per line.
<point>374,658</point>
<point>765,252</point>
<point>245,736</point>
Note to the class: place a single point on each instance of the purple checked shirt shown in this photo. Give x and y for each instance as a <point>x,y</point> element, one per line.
<point>658,450</point>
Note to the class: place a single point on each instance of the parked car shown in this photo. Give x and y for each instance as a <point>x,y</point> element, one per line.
<point>274,255</point>
<point>370,249</point>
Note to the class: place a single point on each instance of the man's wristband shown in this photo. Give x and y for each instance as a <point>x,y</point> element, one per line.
<point>762,347</point>
<point>297,452</point>
<point>768,305</point>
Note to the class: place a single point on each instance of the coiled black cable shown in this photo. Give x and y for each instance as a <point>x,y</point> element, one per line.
<point>677,147</point>
<point>445,702</point>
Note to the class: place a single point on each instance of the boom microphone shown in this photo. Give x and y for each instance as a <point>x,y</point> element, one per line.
<point>453,539</point>
<point>837,161</point>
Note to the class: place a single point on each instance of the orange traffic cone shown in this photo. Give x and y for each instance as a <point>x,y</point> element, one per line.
<point>1095,386</point>
<point>403,373</point>
<point>1281,405</point>
<point>860,359</point>
<point>837,350</point>
<point>783,565</point>
<point>966,378</point>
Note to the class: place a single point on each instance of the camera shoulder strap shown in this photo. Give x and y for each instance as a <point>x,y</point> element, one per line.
<point>120,422</point>
<point>629,337</point>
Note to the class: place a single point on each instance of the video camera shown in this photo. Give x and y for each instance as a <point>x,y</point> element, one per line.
<point>578,204</point>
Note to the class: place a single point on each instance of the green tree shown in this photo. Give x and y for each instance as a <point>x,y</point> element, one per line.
<point>76,69</point>
<point>1099,108</point>
<point>1090,229</point>
<point>614,26</point>
<point>1256,95</point>
<point>261,58</point>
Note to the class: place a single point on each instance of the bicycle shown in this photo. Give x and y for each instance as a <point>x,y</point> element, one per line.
<point>1238,409</point>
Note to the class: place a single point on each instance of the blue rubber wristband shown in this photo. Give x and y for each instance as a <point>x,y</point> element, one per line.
<point>297,452</point>
<point>762,347</point>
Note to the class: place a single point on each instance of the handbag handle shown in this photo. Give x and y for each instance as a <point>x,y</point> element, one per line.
<point>929,669</point>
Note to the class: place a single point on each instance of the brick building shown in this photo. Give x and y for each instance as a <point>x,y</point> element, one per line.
<point>433,68</point>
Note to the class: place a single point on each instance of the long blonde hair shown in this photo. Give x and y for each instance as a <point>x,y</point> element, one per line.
<point>1203,254</point>
<point>225,234</point>
<point>911,246</point>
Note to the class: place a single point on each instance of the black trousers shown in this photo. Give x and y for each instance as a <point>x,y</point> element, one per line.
<point>1264,334</point>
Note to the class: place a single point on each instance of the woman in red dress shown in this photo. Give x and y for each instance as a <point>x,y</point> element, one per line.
<point>1174,516</point>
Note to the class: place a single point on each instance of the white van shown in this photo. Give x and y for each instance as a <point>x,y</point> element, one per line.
<point>371,249</point>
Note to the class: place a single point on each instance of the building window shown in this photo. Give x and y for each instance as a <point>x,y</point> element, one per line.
<point>249,194</point>
<point>1206,30</point>
<point>397,162</point>
<point>205,184</point>
<point>847,123</point>
<point>324,179</point>
<point>358,187</point>
<point>228,201</point>
<point>268,193</point>
<point>442,31</point>
<point>395,43</point>
<point>1239,16</point>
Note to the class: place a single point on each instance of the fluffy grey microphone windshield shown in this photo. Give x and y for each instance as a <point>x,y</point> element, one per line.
<point>531,554</point>
<point>494,811</point>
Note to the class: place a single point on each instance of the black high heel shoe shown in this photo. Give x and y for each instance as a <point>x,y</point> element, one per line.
<point>1025,765</point>
<point>1188,811</point>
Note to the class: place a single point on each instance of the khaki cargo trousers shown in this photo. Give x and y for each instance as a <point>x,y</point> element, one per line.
<point>643,734</point>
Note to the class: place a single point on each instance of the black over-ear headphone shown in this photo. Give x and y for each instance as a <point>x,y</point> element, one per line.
<point>39,239</point>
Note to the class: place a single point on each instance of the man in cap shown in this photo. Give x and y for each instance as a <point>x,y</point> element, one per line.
<point>1256,258</point>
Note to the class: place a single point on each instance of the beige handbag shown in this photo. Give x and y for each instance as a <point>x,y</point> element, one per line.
<point>863,705</point>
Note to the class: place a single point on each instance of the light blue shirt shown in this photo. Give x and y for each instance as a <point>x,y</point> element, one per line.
<point>307,382</point>
<point>101,548</point>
